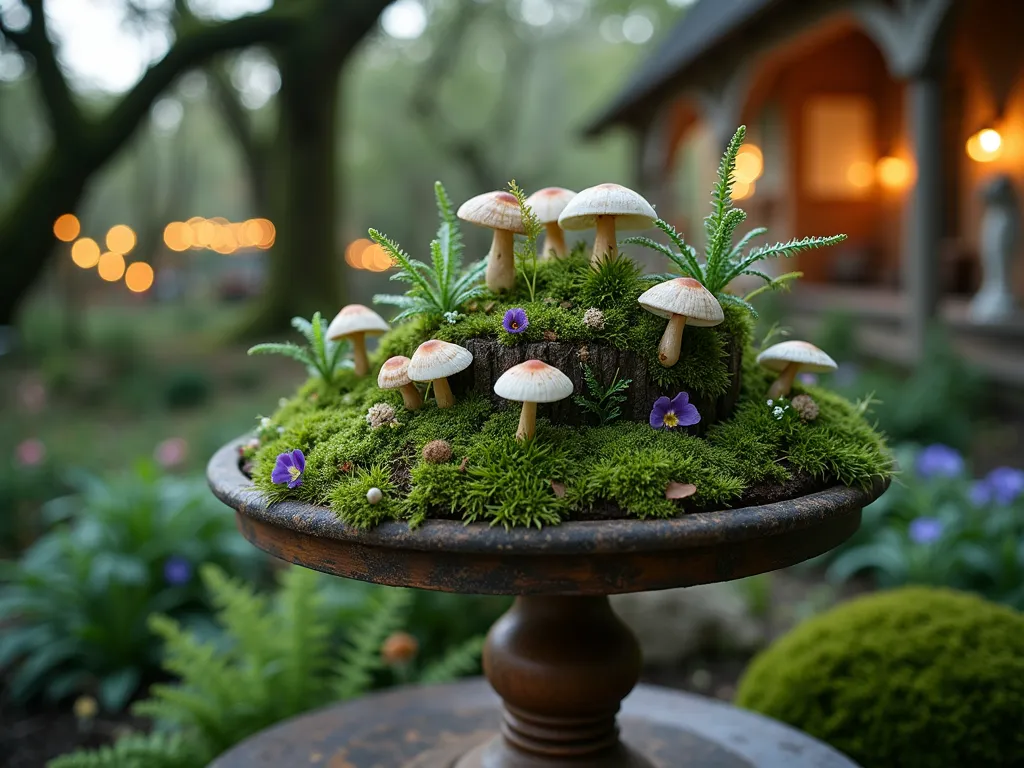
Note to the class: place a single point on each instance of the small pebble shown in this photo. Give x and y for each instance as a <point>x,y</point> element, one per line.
<point>374,495</point>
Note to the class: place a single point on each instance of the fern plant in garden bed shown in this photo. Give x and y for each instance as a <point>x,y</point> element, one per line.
<point>277,659</point>
<point>75,605</point>
<point>356,447</point>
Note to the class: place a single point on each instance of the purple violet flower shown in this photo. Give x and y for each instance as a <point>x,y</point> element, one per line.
<point>677,412</point>
<point>289,468</point>
<point>925,530</point>
<point>808,379</point>
<point>1005,484</point>
<point>939,460</point>
<point>515,321</point>
<point>177,571</point>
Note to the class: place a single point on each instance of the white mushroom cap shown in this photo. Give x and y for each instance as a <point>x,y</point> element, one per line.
<point>533,382</point>
<point>683,296</point>
<point>355,318</point>
<point>630,210</point>
<point>548,203</point>
<point>496,210</point>
<point>437,359</point>
<point>394,373</point>
<point>808,356</point>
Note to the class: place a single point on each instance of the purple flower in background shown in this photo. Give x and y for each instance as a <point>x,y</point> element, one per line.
<point>925,530</point>
<point>177,571</point>
<point>808,379</point>
<point>1005,484</point>
<point>980,493</point>
<point>515,321</point>
<point>677,412</point>
<point>289,468</point>
<point>939,460</point>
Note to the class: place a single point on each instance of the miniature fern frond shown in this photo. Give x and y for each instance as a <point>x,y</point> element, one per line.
<point>153,750</point>
<point>294,351</point>
<point>440,287</point>
<point>780,283</point>
<point>526,252</point>
<point>604,402</point>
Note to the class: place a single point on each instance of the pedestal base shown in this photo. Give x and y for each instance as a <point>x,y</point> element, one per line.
<point>450,727</point>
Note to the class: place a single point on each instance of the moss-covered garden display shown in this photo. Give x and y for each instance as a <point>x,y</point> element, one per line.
<point>666,389</point>
<point>912,678</point>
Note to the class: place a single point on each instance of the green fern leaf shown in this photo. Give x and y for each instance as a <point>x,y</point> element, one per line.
<point>462,660</point>
<point>287,349</point>
<point>361,657</point>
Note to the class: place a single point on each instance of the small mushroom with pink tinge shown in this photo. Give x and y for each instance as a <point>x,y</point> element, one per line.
<point>500,212</point>
<point>435,361</point>
<point>607,207</point>
<point>790,358</point>
<point>530,383</point>
<point>394,374</point>
<point>682,300</point>
<point>354,322</point>
<point>548,204</point>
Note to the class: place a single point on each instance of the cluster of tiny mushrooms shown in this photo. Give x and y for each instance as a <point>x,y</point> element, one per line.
<point>605,208</point>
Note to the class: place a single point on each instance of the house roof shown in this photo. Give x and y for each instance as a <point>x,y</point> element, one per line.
<point>701,29</point>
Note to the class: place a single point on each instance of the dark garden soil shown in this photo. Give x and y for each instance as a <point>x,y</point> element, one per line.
<point>29,740</point>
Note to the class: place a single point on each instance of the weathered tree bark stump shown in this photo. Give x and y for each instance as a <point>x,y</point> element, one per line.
<point>491,359</point>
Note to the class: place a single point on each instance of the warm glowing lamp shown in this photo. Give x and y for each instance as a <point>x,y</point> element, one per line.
<point>111,266</point>
<point>177,236</point>
<point>85,253</point>
<point>893,172</point>
<point>749,164</point>
<point>267,233</point>
<point>985,146</point>
<point>67,227</point>
<point>138,277</point>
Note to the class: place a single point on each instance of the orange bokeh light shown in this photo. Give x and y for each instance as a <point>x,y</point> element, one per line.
<point>354,252</point>
<point>138,277</point>
<point>85,253</point>
<point>121,239</point>
<point>749,164</point>
<point>741,190</point>
<point>224,240</point>
<point>985,146</point>
<point>860,174</point>
<point>67,227</point>
<point>177,236</point>
<point>111,266</point>
<point>268,234</point>
<point>894,172</point>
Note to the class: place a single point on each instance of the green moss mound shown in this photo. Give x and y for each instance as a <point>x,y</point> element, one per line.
<point>912,678</point>
<point>566,471</point>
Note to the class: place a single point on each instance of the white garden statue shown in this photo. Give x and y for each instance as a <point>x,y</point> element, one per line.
<point>1000,230</point>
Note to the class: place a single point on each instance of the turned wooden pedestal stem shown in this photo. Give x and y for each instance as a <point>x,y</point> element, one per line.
<point>562,666</point>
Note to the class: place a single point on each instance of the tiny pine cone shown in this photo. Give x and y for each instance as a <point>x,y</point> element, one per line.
<point>379,415</point>
<point>805,406</point>
<point>399,648</point>
<point>437,452</point>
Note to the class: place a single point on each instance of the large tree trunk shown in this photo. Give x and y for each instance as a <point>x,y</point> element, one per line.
<point>51,188</point>
<point>303,275</point>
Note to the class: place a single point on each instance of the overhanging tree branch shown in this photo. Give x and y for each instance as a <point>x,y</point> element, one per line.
<point>64,114</point>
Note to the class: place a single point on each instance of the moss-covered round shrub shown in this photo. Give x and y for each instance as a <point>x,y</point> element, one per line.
<point>911,678</point>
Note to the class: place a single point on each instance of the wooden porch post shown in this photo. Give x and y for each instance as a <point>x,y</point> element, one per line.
<point>909,35</point>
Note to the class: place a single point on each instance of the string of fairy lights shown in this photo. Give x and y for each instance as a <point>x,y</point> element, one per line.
<point>198,233</point>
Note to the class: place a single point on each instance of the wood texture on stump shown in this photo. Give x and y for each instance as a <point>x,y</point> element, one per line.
<point>491,359</point>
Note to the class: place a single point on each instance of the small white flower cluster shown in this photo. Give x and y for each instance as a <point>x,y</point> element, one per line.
<point>778,411</point>
<point>594,318</point>
<point>381,415</point>
<point>267,430</point>
<point>452,317</point>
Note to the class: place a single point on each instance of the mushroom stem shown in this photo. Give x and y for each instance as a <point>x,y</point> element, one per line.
<point>554,242</point>
<point>527,421</point>
<point>781,386</point>
<point>605,245</point>
<point>359,353</point>
<point>501,262</point>
<point>411,396</point>
<point>443,393</point>
<point>671,341</point>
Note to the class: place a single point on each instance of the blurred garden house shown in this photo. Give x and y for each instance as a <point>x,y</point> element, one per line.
<point>884,119</point>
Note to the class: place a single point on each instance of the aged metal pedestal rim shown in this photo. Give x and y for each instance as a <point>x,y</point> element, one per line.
<point>594,558</point>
